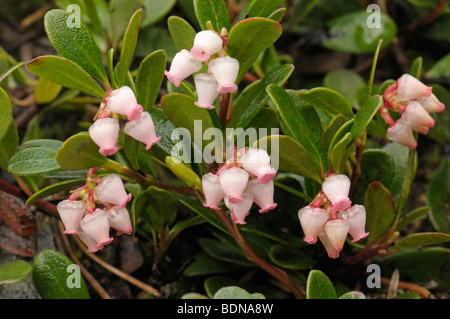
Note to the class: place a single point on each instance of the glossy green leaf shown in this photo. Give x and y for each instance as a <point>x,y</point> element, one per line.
<point>56,277</point>
<point>248,38</point>
<point>128,46</point>
<point>155,10</point>
<point>380,211</point>
<point>35,157</point>
<point>263,8</point>
<point>14,271</point>
<point>289,258</point>
<point>441,69</point>
<point>290,156</point>
<point>353,295</point>
<point>8,146</point>
<point>353,34</point>
<point>438,197</point>
<point>74,43</point>
<point>5,113</point>
<point>46,91</point>
<point>329,101</point>
<point>365,115</point>
<point>235,292</point>
<point>149,78</point>
<point>414,216</point>
<point>66,73</point>
<point>330,131</point>
<point>319,286</point>
<point>215,11</point>
<point>338,154</point>
<point>55,188</point>
<point>421,239</point>
<point>184,173</point>
<point>79,152</point>
<point>182,32</point>
<point>119,13</point>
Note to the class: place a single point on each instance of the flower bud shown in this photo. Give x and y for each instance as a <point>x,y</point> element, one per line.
<point>96,226</point>
<point>240,210</point>
<point>212,190</point>
<point>356,219</point>
<point>120,221</point>
<point>123,101</point>
<point>142,130</point>
<point>410,88</point>
<point>111,191</point>
<point>234,181</point>
<point>71,213</point>
<point>183,65</point>
<point>416,116</point>
<point>225,70</point>
<point>206,43</point>
<point>262,194</point>
<point>312,220</point>
<point>256,161</point>
<point>331,251</point>
<point>206,86</point>
<point>337,230</point>
<point>105,133</point>
<point>402,133</point>
<point>336,188</point>
<point>431,104</point>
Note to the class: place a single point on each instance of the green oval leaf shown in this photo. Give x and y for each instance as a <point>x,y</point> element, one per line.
<point>8,146</point>
<point>290,258</point>
<point>422,239</point>
<point>5,113</point>
<point>66,73</point>
<point>54,188</point>
<point>79,152</point>
<point>215,11</point>
<point>365,115</point>
<point>14,271</point>
<point>182,32</point>
<point>74,42</point>
<point>319,286</point>
<point>329,101</point>
<point>234,292</point>
<point>55,277</point>
<point>438,192</point>
<point>263,8</point>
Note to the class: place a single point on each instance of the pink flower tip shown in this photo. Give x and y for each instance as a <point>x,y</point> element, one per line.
<point>237,220</point>
<point>201,53</point>
<point>267,176</point>
<point>172,78</point>
<point>109,150</point>
<point>266,209</point>
<point>235,199</point>
<point>227,88</point>
<point>205,106</point>
<point>342,204</point>
<point>153,142</point>
<point>310,240</point>
<point>135,113</point>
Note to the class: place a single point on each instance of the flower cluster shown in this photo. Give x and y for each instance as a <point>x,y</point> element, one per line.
<point>105,130</point>
<point>245,180</point>
<point>414,101</point>
<point>80,215</point>
<point>331,216</point>
<point>221,74</point>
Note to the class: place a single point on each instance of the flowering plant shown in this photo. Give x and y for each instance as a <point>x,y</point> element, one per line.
<point>212,138</point>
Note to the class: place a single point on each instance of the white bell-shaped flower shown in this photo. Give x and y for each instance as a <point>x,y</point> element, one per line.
<point>105,133</point>
<point>183,65</point>
<point>240,210</point>
<point>206,87</point>
<point>225,70</point>
<point>212,190</point>
<point>112,191</point>
<point>123,101</point>
<point>142,130</point>
<point>331,251</point>
<point>356,219</point>
<point>234,181</point>
<point>71,213</point>
<point>206,43</point>
<point>96,226</point>
<point>312,220</point>
<point>410,88</point>
<point>401,133</point>
<point>90,242</point>
<point>337,230</point>
<point>431,104</point>
<point>256,161</point>
<point>336,188</point>
<point>262,194</point>
<point>120,221</point>
<point>416,116</point>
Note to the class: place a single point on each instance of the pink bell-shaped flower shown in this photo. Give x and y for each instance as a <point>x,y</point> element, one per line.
<point>212,190</point>
<point>431,104</point>
<point>206,86</point>
<point>312,220</point>
<point>337,230</point>
<point>262,194</point>
<point>71,213</point>
<point>96,226</point>
<point>183,65</point>
<point>331,251</point>
<point>356,219</point>
<point>256,161</point>
<point>120,221</point>
<point>111,191</point>
<point>142,130</point>
<point>225,70</point>
<point>416,116</point>
<point>410,88</point>
<point>234,181</point>
<point>206,43</point>
<point>336,188</point>
<point>240,210</point>
<point>90,242</point>
<point>105,133</point>
<point>123,101</point>
<point>402,133</point>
